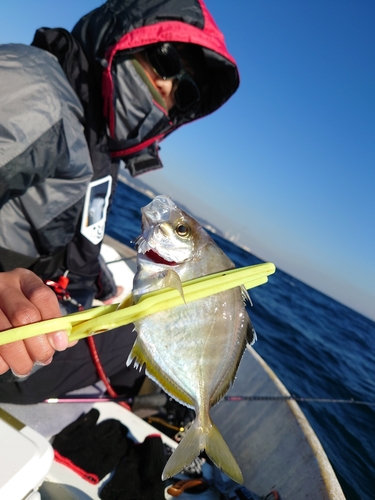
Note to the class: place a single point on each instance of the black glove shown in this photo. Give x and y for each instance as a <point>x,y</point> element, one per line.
<point>138,475</point>
<point>90,449</point>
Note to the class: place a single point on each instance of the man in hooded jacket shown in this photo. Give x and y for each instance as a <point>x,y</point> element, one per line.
<point>72,105</point>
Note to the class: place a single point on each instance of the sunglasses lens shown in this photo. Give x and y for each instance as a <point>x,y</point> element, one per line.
<point>165,60</point>
<point>186,94</point>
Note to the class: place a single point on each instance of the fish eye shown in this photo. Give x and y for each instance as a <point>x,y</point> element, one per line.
<point>182,230</point>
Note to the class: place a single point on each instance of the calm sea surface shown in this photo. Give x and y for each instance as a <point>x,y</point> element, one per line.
<point>318,347</point>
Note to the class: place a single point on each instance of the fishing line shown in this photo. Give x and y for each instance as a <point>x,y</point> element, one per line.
<point>123,259</point>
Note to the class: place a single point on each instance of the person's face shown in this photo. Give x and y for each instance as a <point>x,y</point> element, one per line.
<point>166,88</point>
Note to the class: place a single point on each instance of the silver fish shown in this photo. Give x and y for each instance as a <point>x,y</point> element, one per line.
<point>192,351</point>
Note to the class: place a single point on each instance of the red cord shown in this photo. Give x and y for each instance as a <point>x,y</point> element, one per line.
<point>101,372</point>
<point>59,288</point>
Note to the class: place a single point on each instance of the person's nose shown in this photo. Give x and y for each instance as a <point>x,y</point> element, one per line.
<point>165,88</point>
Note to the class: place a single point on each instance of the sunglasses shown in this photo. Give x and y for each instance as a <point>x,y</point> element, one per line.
<point>166,62</point>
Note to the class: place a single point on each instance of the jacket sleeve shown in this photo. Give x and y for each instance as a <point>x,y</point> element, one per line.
<point>41,133</point>
<point>33,165</point>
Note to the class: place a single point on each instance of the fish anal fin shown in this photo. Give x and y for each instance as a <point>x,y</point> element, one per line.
<point>136,354</point>
<point>167,384</point>
<point>141,357</point>
<point>196,440</point>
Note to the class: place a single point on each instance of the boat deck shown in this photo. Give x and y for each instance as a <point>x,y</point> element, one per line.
<point>271,439</point>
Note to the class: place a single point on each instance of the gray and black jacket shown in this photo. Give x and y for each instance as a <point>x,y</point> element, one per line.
<point>67,119</point>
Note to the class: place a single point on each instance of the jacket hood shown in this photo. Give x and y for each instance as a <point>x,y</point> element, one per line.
<point>124,25</point>
<point>135,121</point>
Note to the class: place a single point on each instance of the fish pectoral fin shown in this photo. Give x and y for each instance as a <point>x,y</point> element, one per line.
<point>194,442</point>
<point>170,279</point>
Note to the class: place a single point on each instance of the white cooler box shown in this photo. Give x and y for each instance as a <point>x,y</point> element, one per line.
<point>25,459</point>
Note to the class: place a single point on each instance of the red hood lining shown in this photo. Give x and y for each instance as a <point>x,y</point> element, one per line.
<point>177,31</point>
<point>137,147</point>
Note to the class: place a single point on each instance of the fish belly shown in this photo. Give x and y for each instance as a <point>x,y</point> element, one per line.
<point>197,346</point>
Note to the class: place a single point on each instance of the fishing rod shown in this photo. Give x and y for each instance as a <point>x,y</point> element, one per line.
<point>155,400</point>
<point>159,399</point>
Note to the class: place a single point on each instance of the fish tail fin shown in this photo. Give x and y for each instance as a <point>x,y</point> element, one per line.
<point>188,449</point>
<point>218,451</point>
<point>198,439</point>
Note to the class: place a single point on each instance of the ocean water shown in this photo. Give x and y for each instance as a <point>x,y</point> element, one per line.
<point>318,347</point>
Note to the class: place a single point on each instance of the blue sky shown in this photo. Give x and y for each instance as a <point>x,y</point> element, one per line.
<point>287,165</point>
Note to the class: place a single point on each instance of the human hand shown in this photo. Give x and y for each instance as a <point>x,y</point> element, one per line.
<point>24,299</point>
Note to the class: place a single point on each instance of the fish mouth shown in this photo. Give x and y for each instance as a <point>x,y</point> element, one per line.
<point>158,259</point>
<point>144,248</point>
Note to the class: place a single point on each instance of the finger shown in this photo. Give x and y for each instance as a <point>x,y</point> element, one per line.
<point>15,355</point>
<point>17,308</point>
<point>21,355</point>
<point>40,295</point>
<point>25,299</point>
<point>47,304</point>
<point>39,349</point>
<point>58,340</point>
<point>4,367</point>
<point>4,325</point>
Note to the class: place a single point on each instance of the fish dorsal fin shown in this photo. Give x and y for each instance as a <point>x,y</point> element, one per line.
<point>245,295</point>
